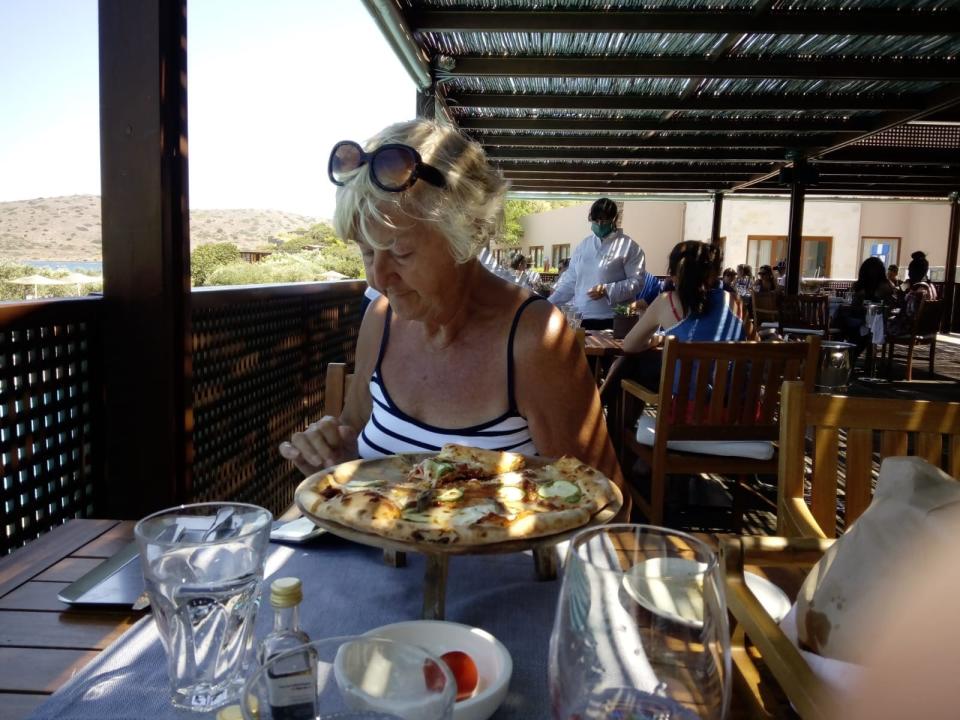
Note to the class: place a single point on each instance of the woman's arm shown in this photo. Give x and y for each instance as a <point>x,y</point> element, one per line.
<point>641,335</point>
<point>556,393</point>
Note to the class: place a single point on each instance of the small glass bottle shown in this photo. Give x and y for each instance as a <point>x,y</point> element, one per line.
<point>291,681</point>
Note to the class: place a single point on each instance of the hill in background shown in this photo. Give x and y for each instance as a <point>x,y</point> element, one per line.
<point>68,228</point>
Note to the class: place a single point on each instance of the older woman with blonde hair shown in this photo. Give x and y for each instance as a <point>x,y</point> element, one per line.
<point>451,353</point>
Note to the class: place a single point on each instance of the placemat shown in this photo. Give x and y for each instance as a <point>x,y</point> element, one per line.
<point>347,590</point>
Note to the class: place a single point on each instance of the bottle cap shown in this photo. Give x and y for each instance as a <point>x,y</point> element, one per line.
<point>286,592</point>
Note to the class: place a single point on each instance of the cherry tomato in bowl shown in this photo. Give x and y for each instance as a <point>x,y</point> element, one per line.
<point>464,671</point>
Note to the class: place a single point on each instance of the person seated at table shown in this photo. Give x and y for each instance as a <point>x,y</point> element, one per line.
<point>919,289</point>
<point>522,276</point>
<point>452,353</point>
<point>766,281</point>
<point>744,280</point>
<point>650,288</point>
<point>871,286</point>
<point>729,280</point>
<point>893,275</point>
<point>780,273</point>
<point>698,309</point>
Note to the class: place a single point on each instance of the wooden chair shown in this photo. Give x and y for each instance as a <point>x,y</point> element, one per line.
<point>765,306</point>
<point>336,384</point>
<point>932,428</point>
<point>805,312</point>
<point>926,325</point>
<point>711,392</point>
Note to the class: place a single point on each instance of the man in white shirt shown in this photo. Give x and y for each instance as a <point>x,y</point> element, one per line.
<point>605,269</point>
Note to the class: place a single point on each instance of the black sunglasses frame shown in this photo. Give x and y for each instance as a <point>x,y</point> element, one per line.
<point>420,169</point>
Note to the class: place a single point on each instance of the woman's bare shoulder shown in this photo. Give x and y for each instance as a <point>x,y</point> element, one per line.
<point>371,332</point>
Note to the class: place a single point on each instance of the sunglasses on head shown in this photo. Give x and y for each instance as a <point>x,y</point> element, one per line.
<point>393,167</point>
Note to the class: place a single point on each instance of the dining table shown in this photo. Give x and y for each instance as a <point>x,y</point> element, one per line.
<point>601,343</point>
<point>78,663</point>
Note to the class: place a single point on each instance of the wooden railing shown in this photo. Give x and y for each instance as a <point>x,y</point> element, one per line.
<point>258,358</point>
<point>51,415</point>
<point>259,354</point>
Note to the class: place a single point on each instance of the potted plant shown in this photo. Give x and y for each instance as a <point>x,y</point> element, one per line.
<point>624,318</point>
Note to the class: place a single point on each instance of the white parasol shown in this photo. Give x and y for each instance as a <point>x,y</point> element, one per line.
<point>35,280</point>
<point>79,279</point>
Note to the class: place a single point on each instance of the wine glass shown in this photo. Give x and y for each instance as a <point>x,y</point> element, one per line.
<point>351,678</point>
<point>641,628</point>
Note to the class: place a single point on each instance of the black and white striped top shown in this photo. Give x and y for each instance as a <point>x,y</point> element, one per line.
<point>390,430</point>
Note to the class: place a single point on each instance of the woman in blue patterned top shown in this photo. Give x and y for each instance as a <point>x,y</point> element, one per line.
<point>697,309</point>
<point>451,353</point>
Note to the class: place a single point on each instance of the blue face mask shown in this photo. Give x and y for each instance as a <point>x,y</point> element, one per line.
<point>601,231</point>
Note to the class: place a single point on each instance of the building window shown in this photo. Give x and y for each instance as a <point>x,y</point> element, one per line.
<point>885,248</point>
<point>558,253</point>
<point>536,256</point>
<point>815,253</point>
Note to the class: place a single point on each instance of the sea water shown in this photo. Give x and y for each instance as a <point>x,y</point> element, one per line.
<point>207,630</point>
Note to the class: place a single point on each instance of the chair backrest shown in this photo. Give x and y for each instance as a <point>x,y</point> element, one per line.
<point>765,306</point>
<point>728,390</point>
<point>805,310</point>
<point>335,387</point>
<point>845,428</point>
<point>926,323</point>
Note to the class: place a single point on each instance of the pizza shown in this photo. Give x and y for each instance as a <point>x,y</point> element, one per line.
<point>460,496</point>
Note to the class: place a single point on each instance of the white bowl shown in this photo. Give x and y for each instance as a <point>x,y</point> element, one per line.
<point>494,665</point>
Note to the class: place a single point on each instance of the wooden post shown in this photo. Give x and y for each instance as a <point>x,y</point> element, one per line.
<point>146,253</point>
<point>950,276</point>
<point>717,213</point>
<point>795,231</point>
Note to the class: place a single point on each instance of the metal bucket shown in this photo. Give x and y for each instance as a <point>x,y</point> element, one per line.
<point>833,373</point>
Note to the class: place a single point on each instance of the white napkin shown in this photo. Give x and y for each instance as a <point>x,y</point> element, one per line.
<point>839,675</point>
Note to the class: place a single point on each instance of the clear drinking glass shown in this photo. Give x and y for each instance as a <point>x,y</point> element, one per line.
<point>641,628</point>
<point>351,678</point>
<point>202,567</point>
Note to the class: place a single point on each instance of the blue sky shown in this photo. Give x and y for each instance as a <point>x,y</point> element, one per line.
<point>272,86</point>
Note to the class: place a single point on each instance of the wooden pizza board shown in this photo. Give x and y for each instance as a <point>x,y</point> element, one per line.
<point>437,554</point>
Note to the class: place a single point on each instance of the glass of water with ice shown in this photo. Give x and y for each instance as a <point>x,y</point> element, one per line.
<point>202,568</point>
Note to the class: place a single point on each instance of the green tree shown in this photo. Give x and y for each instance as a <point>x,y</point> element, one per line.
<point>320,234</point>
<point>515,209</point>
<point>206,258</point>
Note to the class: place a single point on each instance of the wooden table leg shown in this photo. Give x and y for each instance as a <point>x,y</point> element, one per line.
<point>395,558</point>
<point>435,587</point>
<point>545,562</point>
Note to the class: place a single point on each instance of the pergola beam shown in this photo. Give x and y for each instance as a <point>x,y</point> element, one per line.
<point>708,125</point>
<point>842,22</point>
<point>695,102</point>
<point>939,101</point>
<point>693,140</point>
<point>938,70</point>
<point>636,153</point>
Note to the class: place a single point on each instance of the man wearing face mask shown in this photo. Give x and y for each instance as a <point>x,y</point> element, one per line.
<point>606,269</point>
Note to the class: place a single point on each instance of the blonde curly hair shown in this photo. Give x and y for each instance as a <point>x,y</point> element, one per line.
<point>468,211</point>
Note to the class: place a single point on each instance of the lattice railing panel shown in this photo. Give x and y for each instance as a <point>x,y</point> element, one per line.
<point>51,415</point>
<point>258,365</point>
<point>936,137</point>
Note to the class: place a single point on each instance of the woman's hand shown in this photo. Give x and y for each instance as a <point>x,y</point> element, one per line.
<point>324,443</point>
